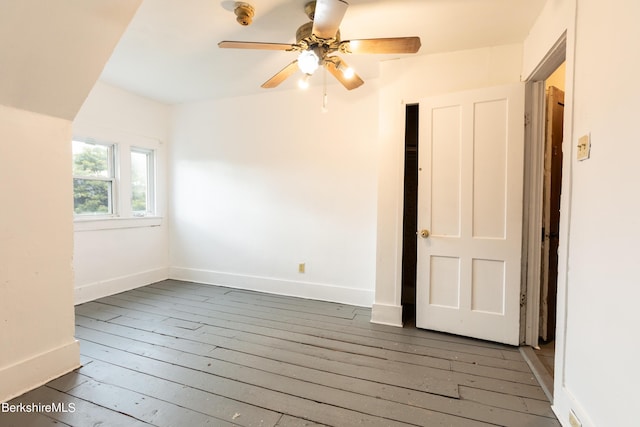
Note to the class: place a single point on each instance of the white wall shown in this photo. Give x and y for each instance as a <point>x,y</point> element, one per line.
<point>47,72</point>
<point>405,81</point>
<point>115,255</point>
<point>596,367</point>
<point>36,307</point>
<point>263,183</point>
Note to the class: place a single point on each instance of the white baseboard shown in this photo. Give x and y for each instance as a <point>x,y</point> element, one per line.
<point>384,314</point>
<point>565,402</point>
<point>35,371</point>
<point>111,286</point>
<point>317,291</point>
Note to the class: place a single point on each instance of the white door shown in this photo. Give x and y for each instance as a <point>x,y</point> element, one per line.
<point>471,156</point>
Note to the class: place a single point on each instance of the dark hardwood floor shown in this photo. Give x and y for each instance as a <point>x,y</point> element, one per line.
<point>185,354</point>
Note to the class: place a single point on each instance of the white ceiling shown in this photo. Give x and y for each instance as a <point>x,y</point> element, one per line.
<point>170,53</point>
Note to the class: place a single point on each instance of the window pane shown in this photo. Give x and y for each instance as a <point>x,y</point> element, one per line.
<point>141,185</point>
<point>91,197</point>
<point>91,159</point>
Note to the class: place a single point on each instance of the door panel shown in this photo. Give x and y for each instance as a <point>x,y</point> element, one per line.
<point>445,173</point>
<point>470,200</point>
<point>489,169</point>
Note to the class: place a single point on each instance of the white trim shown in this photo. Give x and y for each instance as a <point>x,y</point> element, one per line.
<point>38,370</point>
<point>95,132</point>
<point>551,61</point>
<point>103,288</point>
<point>384,314</point>
<point>534,164</point>
<point>316,291</point>
<point>568,147</point>
<point>539,370</point>
<point>571,404</point>
<point>92,224</point>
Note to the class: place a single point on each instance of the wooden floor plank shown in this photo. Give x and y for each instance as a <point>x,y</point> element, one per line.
<point>283,378</point>
<point>371,331</point>
<point>27,419</point>
<point>379,374</point>
<point>410,378</point>
<point>483,356</point>
<point>83,413</point>
<point>318,339</point>
<point>486,413</point>
<point>228,410</point>
<point>203,377</point>
<point>149,409</point>
<point>185,353</point>
<point>289,421</point>
<point>310,318</point>
<point>283,307</point>
<point>365,312</point>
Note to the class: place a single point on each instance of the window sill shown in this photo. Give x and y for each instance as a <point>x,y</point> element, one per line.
<point>92,224</point>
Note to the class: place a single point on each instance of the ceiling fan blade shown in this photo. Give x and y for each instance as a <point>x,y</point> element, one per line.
<point>281,75</point>
<point>327,18</point>
<point>255,45</point>
<point>382,45</point>
<point>348,82</point>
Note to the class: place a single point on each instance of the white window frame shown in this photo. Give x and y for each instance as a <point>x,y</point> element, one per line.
<point>124,144</point>
<point>112,150</point>
<point>151,181</point>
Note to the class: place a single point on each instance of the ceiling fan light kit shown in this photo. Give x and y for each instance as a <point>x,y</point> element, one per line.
<point>318,43</point>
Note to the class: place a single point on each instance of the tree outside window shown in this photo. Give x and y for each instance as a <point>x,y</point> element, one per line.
<point>142,163</point>
<point>93,178</point>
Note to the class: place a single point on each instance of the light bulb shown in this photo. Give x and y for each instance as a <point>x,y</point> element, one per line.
<point>348,73</point>
<point>303,83</point>
<point>308,61</point>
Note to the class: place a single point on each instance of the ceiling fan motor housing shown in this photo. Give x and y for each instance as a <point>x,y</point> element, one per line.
<point>307,40</point>
<point>304,32</point>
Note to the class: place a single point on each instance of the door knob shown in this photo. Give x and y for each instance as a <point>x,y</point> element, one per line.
<point>424,233</point>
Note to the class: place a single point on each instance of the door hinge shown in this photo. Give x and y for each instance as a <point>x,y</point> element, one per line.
<point>527,119</point>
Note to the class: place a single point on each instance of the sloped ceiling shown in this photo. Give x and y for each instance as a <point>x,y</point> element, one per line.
<point>52,53</point>
<point>169,52</point>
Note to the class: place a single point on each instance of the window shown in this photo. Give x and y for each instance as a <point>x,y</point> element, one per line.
<point>113,181</point>
<point>142,179</point>
<point>93,178</point>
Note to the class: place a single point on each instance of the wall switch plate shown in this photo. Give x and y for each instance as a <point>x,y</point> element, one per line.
<point>573,420</point>
<point>584,147</point>
<point>301,267</point>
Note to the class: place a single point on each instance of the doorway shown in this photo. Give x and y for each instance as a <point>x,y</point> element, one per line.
<point>410,215</point>
<point>537,348</point>
<point>552,179</point>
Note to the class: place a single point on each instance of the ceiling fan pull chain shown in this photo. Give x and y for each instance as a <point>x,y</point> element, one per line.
<point>324,109</point>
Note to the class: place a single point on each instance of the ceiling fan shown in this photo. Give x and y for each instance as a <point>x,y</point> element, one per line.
<point>318,43</point>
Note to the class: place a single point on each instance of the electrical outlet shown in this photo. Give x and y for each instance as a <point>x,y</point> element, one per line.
<point>301,267</point>
<point>573,419</point>
<point>584,147</point>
